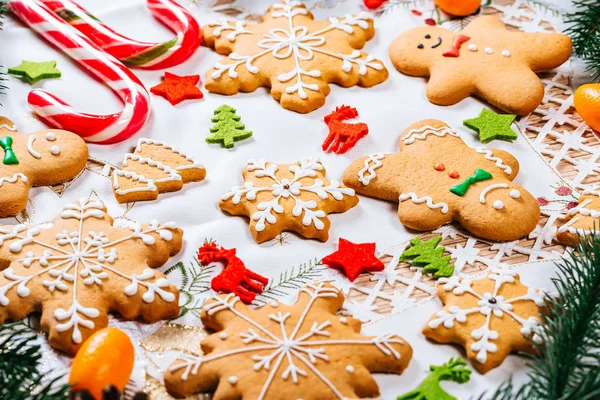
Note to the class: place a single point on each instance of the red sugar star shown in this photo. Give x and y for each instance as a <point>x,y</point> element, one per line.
<point>178,88</point>
<point>353,259</point>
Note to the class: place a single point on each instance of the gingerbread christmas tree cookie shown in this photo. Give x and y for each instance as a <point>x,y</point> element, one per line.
<point>287,197</point>
<point>294,55</point>
<point>83,267</point>
<point>283,352</point>
<point>489,317</point>
<point>436,179</point>
<point>582,220</point>
<point>43,158</point>
<point>484,59</point>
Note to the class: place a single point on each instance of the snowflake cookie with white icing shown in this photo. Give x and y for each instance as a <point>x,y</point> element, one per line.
<point>292,54</point>
<point>43,158</point>
<point>283,352</point>
<point>484,59</point>
<point>436,179</point>
<point>287,197</point>
<point>582,220</point>
<point>83,267</point>
<point>490,317</point>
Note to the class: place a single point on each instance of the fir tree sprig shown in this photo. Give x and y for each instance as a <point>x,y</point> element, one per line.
<point>567,364</point>
<point>584,29</point>
<point>3,11</point>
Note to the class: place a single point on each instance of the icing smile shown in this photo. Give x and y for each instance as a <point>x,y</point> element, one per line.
<point>439,42</point>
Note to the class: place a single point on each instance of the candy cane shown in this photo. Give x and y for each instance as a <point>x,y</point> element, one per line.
<point>52,110</point>
<point>132,52</point>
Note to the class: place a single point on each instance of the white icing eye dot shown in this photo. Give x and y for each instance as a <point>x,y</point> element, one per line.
<point>51,136</point>
<point>489,50</point>
<point>55,150</point>
<point>515,194</point>
<point>223,336</point>
<point>498,205</point>
<point>350,369</point>
<point>472,47</point>
<point>506,53</point>
<point>233,380</point>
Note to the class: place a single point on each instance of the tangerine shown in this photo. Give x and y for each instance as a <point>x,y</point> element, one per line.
<point>587,103</point>
<point>105,358</point>
<point>459,8</point>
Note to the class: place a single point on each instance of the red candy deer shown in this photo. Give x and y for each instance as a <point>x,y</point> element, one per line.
<point>235,277</point>
<point>343,135</point>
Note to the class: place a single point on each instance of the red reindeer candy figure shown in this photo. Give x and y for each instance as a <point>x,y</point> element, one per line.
<point>235,277</point>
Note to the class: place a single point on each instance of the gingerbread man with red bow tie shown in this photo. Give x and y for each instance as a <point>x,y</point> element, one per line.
<point>484,59</point>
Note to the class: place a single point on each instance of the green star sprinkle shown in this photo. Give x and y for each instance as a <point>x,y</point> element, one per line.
<point>430,389</point>
<point>492,126</point>
<point>33,72</point>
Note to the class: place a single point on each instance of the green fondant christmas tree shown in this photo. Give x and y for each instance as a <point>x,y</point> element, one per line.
<point>430,256</point>
<point>430,389</point>
<point>228,128</point>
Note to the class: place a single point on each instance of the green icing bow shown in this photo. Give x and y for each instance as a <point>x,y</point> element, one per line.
<point>9,155</point>
<point>480,175</point>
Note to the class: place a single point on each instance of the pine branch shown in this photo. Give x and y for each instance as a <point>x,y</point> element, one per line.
<point>546,8</point>
<point>3,11</point>
<point>567,364</point>
<point>584,29</point>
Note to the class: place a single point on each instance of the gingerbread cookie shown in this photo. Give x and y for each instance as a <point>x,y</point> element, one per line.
<point>81,268</point>
<point>287,197</point>
<point>489,317</point>
<point>154,167</point>
<point>43,158</point>
<point>582,220</point>
<point>484,59</point>
<point>437,179</point>
<point>283,352</point>
<point>292,54</point>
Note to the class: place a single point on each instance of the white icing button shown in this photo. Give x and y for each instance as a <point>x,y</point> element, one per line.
<point>350,369</point>
<point>489,50</point>
<point>51,136</point>
<point>498,205</point>
<point>472,47</point>
<point>223,336</point>
<point>233,380</point>
<point>515,194</point>
<point>55,150</point>
<point>343,320</point>
<point>506,53</point>
<point>274,304</point>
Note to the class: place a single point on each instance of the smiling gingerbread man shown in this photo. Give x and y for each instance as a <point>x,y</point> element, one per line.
<point>484,59</point>
<point>436,179</point>
<point>43,158</point>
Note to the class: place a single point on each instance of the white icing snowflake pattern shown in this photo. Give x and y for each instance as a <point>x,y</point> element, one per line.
<point>74,260</point>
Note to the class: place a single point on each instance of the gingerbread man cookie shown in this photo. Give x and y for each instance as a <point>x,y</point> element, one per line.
<point>283,352</point>
<point>489,317</point>
<point>43,158</point>
<point>292,54</point>
<point>582,220</point>
<point>82,267</point>
<point>287,197</point>
<point>484,59</point>
<point>437,179</point>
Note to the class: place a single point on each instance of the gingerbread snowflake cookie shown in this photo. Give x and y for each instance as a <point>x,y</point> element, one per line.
<point>437,179</point>
<point>484,59</point>
<point>283,352</point>
<point>43,158</point>
<point>292,54</point>
<point>154,167</point>
<point>287,197</point>
<point>582,220</point>
<point>489,317</point>
<point>81,268</point>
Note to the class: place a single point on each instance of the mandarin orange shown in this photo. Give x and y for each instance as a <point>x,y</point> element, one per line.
<point>459,8</point>
<point>587,103</point>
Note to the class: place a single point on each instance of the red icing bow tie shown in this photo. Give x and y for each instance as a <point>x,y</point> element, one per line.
<point>454,50</point>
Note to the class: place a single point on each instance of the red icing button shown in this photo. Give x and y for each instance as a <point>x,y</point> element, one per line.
<point>453,174</point>
<point>439,166</point>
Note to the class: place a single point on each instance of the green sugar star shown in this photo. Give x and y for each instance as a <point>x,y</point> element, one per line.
<point>33,72</point>
<point>492,126</point>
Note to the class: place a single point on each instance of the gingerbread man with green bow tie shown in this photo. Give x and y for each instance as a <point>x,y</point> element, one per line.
<point>43,158</point>
<point>484,59</point>
<point>436,179</point>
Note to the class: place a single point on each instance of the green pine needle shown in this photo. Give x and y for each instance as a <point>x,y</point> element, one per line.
<point>584,29</point>
<point>566,364</point>
<point>3,11</point>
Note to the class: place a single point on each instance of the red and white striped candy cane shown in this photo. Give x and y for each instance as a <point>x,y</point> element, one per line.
<point>92,128</point>
<point>132,52</point>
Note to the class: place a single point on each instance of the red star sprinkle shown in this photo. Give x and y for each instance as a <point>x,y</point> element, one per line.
<point>343,135</point>
<point>353,259</point>
<point>178,88</point>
